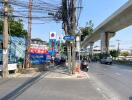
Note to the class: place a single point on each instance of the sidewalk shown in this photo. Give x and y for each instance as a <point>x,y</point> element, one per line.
<point>19,75</point>
<point>41,88</point>
<point>62,72</point>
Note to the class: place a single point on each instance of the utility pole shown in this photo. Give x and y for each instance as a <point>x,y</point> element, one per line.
<point>69,26</point>
<point>73,28</point>
<point>65,12</point>
<point>27,56</point>
<point>5,41</point>
<point>118,47</point>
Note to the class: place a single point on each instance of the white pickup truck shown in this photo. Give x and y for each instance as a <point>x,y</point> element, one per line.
<point>107,60</point>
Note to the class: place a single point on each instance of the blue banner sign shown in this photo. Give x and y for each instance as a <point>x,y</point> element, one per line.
<point>69,38</point>
<point>52,52</point>
<point>52,44</point>
<point>38,58</point>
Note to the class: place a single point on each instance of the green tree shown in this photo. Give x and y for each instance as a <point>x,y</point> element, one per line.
<point>131,53</point>
<point>103,55</point>
<point>37,39</point>
<point>87,30</point>
<point>64,49</point>
<point>114,53</point>
<point>16,27</point>
<point>125,53</point>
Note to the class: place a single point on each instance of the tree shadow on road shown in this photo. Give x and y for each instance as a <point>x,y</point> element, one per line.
<point>130,98</point>
<point>60,69</point>
<point>60,72</point>
<point>18,91</point>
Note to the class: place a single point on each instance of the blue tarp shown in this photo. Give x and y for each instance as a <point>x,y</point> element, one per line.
<point>16,49</point>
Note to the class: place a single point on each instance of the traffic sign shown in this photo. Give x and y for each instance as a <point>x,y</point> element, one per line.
<point>69,38</point>
<point>52,35</point>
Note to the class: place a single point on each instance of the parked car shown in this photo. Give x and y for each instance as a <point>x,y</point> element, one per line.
<point>106,60</point>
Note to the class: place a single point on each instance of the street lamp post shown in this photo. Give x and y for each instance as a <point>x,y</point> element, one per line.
<point>118,48</point>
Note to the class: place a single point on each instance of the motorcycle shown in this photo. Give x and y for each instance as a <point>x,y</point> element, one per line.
<point>84,66</point>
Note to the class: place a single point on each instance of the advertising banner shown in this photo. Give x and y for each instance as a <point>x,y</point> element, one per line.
<point>38,50</point>
<point>52,44</point>
<point>38,56</point>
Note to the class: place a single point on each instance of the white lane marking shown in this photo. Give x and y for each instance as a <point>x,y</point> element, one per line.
<point>106,92</point>
<point>98,89</point>
<point>117,74</point>
<point>103,93</point>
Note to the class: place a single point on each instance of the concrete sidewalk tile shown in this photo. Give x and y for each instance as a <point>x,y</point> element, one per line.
<point>61,75</point>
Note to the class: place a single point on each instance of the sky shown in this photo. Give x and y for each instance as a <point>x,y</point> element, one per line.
<point>95,10</point>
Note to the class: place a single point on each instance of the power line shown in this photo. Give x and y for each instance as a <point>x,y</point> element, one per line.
<point>39,9</point>
<point>79,9</point>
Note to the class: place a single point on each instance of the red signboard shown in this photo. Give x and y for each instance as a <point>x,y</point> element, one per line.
<point>38,50</point>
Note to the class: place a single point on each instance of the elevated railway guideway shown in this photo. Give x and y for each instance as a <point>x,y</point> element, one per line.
<point>119,20</point>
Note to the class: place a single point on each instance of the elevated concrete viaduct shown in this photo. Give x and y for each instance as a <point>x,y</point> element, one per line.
<point>119,20</point>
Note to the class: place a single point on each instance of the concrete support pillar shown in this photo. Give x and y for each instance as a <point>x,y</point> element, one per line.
<point>91,48</point>
<point>105,42</point>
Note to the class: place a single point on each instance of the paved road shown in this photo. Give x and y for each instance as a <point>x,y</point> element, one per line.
<point>114,81</point>
<point>41,88</point>
<point>106,82</point>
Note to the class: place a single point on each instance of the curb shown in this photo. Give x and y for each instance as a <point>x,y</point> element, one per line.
<point>83,75</point>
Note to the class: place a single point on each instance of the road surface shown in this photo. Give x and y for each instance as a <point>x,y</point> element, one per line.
<point>114,81</point>
<point>106,82</point>
<point>41,88</point>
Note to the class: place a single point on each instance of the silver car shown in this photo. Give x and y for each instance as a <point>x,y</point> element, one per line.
<point>107,60</point>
